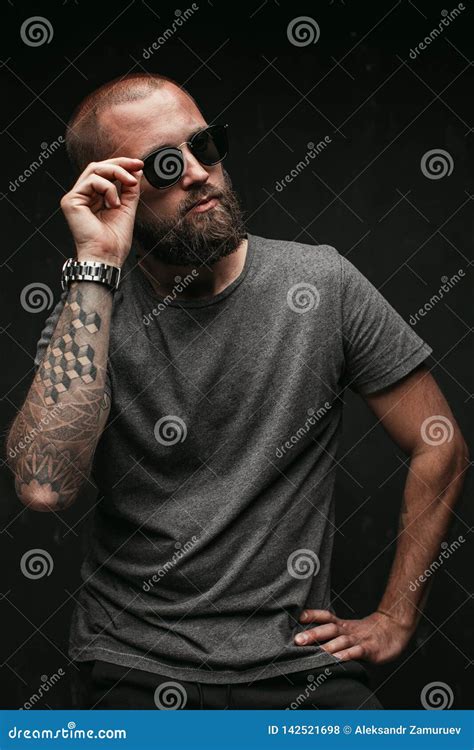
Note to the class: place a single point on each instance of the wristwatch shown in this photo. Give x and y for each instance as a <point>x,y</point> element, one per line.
<point>90,270</point>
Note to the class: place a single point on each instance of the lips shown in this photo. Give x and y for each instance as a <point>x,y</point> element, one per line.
<point>203,200</point>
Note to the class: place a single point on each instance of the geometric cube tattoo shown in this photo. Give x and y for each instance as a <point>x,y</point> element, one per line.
<point>66,360</point>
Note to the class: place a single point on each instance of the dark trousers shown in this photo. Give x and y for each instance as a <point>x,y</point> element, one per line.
<point>101,685</point>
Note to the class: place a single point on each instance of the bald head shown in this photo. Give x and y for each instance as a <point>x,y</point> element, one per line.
<point>92,133</point>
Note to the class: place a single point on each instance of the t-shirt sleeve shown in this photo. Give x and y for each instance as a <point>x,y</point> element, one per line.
<point>380,348</point>
<point>47,332</point>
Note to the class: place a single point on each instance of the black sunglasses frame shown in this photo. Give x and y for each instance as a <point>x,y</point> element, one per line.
<point>175,152</point>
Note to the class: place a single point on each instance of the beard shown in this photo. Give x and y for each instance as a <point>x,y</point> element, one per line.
<point>195,239</point>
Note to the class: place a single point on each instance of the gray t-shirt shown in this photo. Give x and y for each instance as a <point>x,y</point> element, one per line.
<point>216,468</point>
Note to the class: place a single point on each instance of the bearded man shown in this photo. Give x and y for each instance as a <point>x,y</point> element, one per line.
<point>198,372</point>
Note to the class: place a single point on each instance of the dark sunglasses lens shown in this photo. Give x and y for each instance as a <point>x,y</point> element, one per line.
<point>210,146</point>
<point>164,167</point>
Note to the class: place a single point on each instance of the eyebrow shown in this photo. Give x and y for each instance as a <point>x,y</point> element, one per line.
<point>151,151</point>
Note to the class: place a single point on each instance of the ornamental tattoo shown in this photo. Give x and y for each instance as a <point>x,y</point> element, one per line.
<point>56,464</point>
<point>53,438</point>
<point>66,361</point>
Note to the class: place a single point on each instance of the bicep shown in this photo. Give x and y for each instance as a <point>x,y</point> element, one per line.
<point>415,413</point>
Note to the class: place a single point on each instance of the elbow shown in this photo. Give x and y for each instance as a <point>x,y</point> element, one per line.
<point>460,450</point>
<point>40,498</point>
<point>444,466</point>
<point>40,485</point>
<point>454,461</point>
<point>450,450</point>
<point>40,505</point>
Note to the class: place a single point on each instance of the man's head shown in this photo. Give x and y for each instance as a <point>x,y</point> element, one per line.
<point>134,116</point>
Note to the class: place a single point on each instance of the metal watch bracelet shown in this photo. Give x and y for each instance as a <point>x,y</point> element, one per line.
<point>90,270</point>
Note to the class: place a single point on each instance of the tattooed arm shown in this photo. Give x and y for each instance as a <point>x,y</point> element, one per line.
<point>52,441</point>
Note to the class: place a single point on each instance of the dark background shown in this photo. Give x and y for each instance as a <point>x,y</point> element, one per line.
<point>365,194</point>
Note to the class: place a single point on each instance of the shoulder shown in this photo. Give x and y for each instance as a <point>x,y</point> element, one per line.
<point>297,258</point>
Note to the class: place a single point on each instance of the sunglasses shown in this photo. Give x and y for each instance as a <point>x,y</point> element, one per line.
<point>164,167</point>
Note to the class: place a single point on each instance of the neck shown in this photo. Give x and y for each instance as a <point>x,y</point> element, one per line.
<point>201,281</point>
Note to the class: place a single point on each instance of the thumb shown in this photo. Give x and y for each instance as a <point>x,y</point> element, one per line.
<point>131,193</point>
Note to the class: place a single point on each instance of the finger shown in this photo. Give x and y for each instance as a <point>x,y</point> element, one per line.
<point>122,161</point>
<point>321,633</point>
<point>130,194</point>
<point>319,615</point>
<point>338,644</point>
<point>353,652</point>
<point>100,186</point>
<point>115,172</point>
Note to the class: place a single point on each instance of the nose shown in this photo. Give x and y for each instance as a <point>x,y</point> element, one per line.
<point>194,171</point>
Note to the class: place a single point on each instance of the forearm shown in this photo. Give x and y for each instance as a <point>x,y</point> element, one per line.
<point>54,436</point>
<point>433,484</point>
